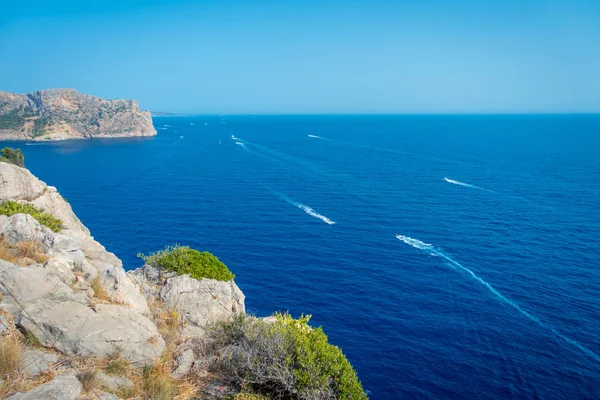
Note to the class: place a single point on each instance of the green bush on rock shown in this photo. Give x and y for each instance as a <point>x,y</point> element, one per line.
<point>185,260</point>
<point>13,156</point>
<point>285,359</point>
<point>10,208</point>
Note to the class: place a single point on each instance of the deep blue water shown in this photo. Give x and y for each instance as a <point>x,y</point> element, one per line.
<point>504,302</point>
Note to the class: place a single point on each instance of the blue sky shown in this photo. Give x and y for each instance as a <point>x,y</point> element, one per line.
<point>428,56</point>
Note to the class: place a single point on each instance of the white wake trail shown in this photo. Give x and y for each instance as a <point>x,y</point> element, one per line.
<point>459,183</point>
<point>315,136</point>
<point>433,251</point>
<point>306,209</point>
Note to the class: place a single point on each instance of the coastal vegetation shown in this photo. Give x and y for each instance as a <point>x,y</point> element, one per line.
<point>10,208</point>
<point>13,156</point>
<point>185,260</point>
<point>285,359</point>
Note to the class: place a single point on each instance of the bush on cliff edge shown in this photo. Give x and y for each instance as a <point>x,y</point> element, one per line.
<point>13,156</point>
<point>185,260</point>
<point>10,208</point>
<point>286,359</point>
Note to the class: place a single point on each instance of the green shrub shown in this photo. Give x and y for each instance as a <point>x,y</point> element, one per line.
<point>10,207</point>
<point>13,156</point>
<point>284,359</point>
<point>185,260</point>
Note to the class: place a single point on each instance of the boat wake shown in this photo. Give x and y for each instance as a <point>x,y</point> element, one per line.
<point>235,138</point>
<point>431,250</point>
<point>315,136</point>
<point>307,209</point>
<point>459,183</point>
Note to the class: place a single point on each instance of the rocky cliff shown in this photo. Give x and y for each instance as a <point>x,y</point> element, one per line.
<point>59,114</point>
<point>76,309</point>
<point>75,325</point>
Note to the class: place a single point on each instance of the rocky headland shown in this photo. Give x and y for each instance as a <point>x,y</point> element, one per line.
<point>60,114</point>
<point>75,325</point>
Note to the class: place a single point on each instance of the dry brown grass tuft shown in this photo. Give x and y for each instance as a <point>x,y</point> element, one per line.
<point>168,323</point>
<point>33,250</point>
<point>11,355</point>
<point>6,252</point>
<point>27,249</point>
<point>117,365</point>
<point>99,292</point>
<point>157,383</point>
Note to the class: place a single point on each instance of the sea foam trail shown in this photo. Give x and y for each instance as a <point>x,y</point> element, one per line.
<point>315,136</point>
<point>306,209</point>
<point>459,183</point>
<point>431,250</point>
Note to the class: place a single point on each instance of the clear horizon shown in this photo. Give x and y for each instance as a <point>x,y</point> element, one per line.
<point>306,58</point>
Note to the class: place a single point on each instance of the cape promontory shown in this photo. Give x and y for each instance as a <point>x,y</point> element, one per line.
<point>59,114</point>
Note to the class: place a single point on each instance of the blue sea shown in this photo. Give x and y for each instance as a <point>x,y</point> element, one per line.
<point>448,256</point>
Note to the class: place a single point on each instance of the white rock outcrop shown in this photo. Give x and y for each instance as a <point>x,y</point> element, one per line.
<point>78,301</point>
<point>198,302</point>
<point>63,387</point>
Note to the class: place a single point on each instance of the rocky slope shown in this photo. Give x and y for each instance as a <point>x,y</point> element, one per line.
<point>80,311</point>
<point>59,114</point>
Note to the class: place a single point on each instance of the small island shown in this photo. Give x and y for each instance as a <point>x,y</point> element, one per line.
<point>61,114</point>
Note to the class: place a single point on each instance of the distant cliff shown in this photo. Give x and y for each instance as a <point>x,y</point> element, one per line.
<point>59,114</point>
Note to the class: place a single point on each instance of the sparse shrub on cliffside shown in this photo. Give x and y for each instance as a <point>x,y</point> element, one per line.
<point>185,260</point>
<point>13,156</point>
<point>10,208</point>
<point>285,358</point>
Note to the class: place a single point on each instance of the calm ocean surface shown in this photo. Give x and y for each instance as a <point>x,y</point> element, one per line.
<point>492,289</point>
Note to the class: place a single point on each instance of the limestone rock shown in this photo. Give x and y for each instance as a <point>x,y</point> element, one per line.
<point>28,285</point>
<point>113,382</point>
<point>23,227</point>
<point>4,324</point>
<point>202,302</point>
<point>60,267</point>
<point>58,114</point>
<point>113,277</point>
<point>183,364</point>
<point>52,202</point>
<point>18,183</point>
<point>74,329</point>
<point>199,302</point>
<point>36,361</point>
<point>107,396</point>
<point>63,387</point>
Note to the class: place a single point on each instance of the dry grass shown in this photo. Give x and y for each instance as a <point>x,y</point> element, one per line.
<point>6,252</point>
<point>168,323</point>
<point>99,292</point>
<point>11,355</point>
<point>26,249</point>
<point>157,382</point>
<point>117,365</point>
<point>32,250</point>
